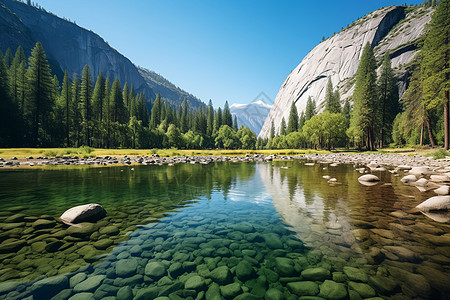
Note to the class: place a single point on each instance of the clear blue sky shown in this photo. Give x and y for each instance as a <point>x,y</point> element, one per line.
<point>220,50</point>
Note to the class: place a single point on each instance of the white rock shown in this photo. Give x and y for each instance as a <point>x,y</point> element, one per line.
<point>443,190</point>
<point>419,171</point>
<point>439,178</point>
<point>435,203</point>
<point>332,180</point>
<point>326,176</point>
<point>83,213</point>
<point>368,178</point>
<point>409,179</point>
<point>421,182</point>
<point>404,167</point>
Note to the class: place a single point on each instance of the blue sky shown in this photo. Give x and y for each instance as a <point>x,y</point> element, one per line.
<point>221,50</point>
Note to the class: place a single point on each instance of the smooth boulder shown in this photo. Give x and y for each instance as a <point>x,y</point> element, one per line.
<point>83,213</point>
<point>435,203</point>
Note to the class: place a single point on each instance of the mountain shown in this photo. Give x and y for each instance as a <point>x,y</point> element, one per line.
<point>69,46</point>
<point>395,29</point>
<point>170,92</point>
<point>251,115</point>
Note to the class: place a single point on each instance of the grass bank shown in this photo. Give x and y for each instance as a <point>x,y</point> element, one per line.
<point>22,153</point>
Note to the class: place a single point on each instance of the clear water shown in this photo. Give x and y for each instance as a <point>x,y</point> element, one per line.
<point>225,230</point>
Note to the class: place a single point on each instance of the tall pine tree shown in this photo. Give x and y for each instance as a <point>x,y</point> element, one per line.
<point>210,119</point>
<point>365,97</point>
<point>310,109</point>
<point>388,93</point>
<point>227,119</point>
<point>435,65</point>
<point>39,100</point>
<point>86,104</point>
<point>155,117</point>
<point>293,119</point>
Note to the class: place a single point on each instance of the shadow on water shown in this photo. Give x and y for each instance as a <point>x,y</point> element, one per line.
<point>231,230</point>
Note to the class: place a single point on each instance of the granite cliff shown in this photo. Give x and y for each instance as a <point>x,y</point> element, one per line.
<point>394,29</point>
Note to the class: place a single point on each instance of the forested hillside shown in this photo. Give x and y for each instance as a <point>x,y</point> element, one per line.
<point>39,111</point>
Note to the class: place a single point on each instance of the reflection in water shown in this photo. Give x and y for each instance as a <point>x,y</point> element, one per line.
<point>221,230</point>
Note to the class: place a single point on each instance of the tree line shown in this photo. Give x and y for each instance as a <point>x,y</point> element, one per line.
<point>38,111</point>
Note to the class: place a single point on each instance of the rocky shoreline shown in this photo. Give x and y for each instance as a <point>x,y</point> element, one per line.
<point>387,160</point>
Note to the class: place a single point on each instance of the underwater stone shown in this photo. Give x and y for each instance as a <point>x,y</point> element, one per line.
<point>245,271</point>
<point>221,275</point>
<point>231,290</point>
<point>213,292</point>
<point>272,240</point>
<point>273,294</point>
<point>48,287</point>
<point>12,246</point>
<point>125,293</point>
<point>81,230</point>
<point>333,290</point>
<point>383,284</point>
<point>103,244</point>
<point>285,266</point>
<point>194,283</point>
<point>356,274</point>
<point>43,224</point>
<point>364,290</point>
<point>126,267</point>
<point>316,274</point>
<point>82,296</point>
<point>76,279</point>
<point>303,288</point>
<point>90,284</point>
<point>109,230</point>
<point>155,269</point>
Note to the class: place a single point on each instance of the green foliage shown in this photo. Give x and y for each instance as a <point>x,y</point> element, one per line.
<point>227,118</point>
<point>226,138</point>
<point>310,109</point>
<point>293,119</point>
<point>247,138</point>
<point>439,154</point>
<point>283,127</point>
<point>326,130</point>
<point>332,99</point>
<point>365,111</point>
<point>39,100</point>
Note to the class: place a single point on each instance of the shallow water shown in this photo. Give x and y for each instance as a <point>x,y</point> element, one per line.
<point>232,230</point>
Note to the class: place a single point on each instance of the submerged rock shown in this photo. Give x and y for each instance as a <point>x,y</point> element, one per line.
<point>83,213</point>
<point>435,203</point>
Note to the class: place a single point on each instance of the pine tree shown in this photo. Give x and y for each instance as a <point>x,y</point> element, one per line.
<point>435,65</point>
<point>86,104</point>
<point>6,107</point>
<point>387,90</point>
<point>235,124</point>
<point>210,119</point>
<point>346,111</point>
<point>126,96</point>
<point>107,114</point>
<point>365,111</point>
<point>301,121</point>
<point>310,109</point>
<point>8,59</point>
<point>283,127</point>
<point>75,127</point>
<point>184,121</point>
<point>98,97</point>
<point>39,100</point>
<point>227,119</point>
<point>217,119</point>
<point>16,70</point>
<point>155,116</point>
<point>293,119</point>
<point>272,131</point>
<point>64,105</point>
<point>116,103</point>
<point>332,99</point>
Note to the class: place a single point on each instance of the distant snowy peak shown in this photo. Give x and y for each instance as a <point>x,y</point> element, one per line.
<point>251,114</point>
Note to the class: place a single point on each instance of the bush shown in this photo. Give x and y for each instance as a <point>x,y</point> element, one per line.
<point>441,153</point>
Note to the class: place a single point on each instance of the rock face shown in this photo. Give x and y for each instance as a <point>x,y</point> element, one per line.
<point>83,213</point>
<point>69,46</point>
<point>338,57</point>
